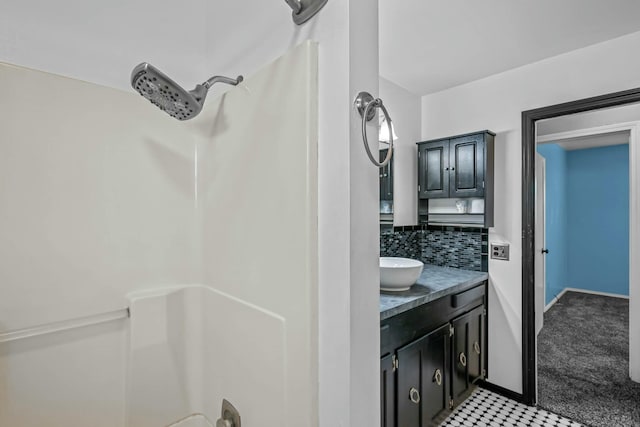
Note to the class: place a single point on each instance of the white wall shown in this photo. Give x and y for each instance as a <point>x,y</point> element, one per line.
<point>496,103</point>
<point>101,43</point>
<point>589,119</point>
<point>405,111</point>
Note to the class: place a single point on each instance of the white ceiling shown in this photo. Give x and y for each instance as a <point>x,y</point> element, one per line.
<point>430,45</point>
<point>593,141</point>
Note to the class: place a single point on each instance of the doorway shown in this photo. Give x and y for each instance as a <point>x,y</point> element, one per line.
<point>529,120</point>
<point>583,348</point>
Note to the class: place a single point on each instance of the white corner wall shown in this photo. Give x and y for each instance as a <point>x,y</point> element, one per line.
<point>496,103</point>
<point>405,111</point>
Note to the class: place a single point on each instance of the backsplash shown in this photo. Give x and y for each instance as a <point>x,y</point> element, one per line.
<point>457,247</point>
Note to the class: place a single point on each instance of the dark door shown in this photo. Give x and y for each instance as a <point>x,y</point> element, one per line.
<point>466,162</point>
<point>387,392</point>
<point>433,169</point>
<point>386,178</point>
<point>468,353</point>
<point>423,385</point>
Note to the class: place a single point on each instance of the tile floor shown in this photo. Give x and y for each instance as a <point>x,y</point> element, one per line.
<point>488,409</point>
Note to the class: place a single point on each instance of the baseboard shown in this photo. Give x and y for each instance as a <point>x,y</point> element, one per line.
<point>604,294</point>
<point>583,291</point>
<point>555,299</point>
<point>502,391</point>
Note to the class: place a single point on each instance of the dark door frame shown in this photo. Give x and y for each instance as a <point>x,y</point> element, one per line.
<point>529,119</point>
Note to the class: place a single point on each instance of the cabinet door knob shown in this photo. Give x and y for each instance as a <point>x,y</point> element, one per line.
<point>414,395</point>
<point>446,169</point>
<point>476,347</point>
<point>437,377</point>
<point>545,251</point>
<point>463,359</point>
<point>452,168</point>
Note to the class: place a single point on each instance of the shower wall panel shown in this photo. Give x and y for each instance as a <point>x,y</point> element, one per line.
<point>257,189</point>
<point>96,200</point>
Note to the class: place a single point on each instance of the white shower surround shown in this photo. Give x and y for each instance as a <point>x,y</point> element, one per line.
<point>141,203</point>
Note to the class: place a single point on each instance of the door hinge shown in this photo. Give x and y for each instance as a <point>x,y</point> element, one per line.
<point>484,373</point>
<point>451,330</point>
<point>484,312</point>
<point>482,184</point>
<point>395,363</point>
<point>418,188</point>
<point>450,403</point>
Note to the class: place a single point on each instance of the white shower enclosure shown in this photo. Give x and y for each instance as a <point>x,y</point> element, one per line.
<point>150,268</point>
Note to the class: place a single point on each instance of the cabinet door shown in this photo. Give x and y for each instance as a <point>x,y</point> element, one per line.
<point>466,162</point>
<point>386,177</point>
<point>387,392</point>
<point>423,385</point>
<point>468,353</point>
<point>433,169</point>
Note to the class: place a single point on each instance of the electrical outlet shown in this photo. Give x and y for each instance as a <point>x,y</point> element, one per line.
<point>500,251</point>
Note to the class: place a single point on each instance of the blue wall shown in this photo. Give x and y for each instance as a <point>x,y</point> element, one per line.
<point>587,212</point>
<point>598,208</point>
<point>556,219</point>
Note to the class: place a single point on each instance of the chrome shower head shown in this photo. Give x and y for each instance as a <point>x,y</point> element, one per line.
<point>169,96</point>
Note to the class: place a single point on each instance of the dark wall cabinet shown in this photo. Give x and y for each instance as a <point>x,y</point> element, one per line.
<point>434,355</point>
<point>452,168</point>
<point>457,167</point>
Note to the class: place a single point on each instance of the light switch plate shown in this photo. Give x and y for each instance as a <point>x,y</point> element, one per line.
<point>500,251</point>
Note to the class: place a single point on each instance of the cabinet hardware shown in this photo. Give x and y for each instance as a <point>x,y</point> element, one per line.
<point>437,377</point>
<point>476,347</point>
<point>450,403</point>
<point>414,395</point>
<point>463,359</point>
<point>395,363</point>
<point>451,330</point>
<point>484,373</point>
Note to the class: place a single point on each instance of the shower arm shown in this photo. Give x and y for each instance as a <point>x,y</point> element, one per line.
<point>222,79</point>
<point>201,90</point>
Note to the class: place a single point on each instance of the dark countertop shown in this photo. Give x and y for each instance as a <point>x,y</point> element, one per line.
<point>434,282</point>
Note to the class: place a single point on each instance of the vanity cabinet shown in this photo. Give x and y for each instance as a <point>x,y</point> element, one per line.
<point>457,167</point>
<point>423,381</point>
<point>468,355</point>
<point>387,391</point>
<point>433,356</point>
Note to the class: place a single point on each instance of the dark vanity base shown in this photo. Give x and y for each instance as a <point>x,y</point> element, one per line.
<point>432,356</point>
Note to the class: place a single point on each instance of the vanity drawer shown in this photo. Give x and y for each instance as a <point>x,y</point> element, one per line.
<point>463,298</point>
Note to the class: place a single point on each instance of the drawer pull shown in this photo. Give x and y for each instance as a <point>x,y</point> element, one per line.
<point>414,395</point>
<point>463,359</point>
<point>476,347</point>
<point>437,377</point>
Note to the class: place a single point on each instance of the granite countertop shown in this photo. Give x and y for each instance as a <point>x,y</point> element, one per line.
<point>434,282</point>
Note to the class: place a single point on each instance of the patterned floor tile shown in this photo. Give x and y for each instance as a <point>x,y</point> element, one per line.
<point>487,409</point>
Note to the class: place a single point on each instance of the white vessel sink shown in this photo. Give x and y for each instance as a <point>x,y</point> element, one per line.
<point>398,274</point>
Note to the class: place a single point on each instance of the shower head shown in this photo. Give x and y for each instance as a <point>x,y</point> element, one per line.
<point>169,96</point>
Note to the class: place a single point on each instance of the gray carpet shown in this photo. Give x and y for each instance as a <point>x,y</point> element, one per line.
<point>583,361</point>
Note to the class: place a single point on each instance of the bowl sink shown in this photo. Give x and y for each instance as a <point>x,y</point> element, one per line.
<point>398,274</point>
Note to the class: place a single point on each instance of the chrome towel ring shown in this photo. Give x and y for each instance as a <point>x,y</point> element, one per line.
<point>367,105</point>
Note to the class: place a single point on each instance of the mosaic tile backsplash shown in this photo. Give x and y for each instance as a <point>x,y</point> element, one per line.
<point>457,247</point>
